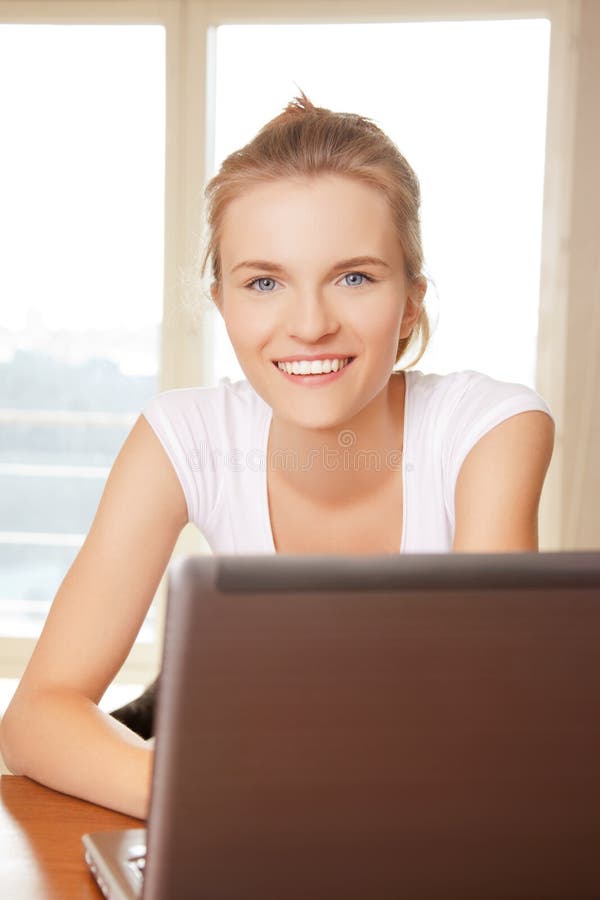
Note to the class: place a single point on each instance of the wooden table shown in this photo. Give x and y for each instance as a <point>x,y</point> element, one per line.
<point>41,854</point>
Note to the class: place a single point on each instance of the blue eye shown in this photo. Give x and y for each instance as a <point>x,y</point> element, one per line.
<point>360,275</point>
<point>252,283</point>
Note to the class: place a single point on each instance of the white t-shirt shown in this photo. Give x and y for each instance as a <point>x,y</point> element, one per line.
<point>216,438</point>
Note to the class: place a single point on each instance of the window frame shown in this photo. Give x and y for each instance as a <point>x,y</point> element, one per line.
<point>186,354</point>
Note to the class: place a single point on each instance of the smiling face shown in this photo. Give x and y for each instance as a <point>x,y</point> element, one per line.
<point>311,296</point>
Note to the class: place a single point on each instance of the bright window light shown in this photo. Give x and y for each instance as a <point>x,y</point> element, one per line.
<point>82,113</point>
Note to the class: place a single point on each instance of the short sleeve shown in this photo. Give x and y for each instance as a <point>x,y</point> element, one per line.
<point>166,413</point>
<point>482,403</point>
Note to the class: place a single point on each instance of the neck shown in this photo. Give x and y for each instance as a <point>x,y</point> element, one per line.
<point>339,466</point>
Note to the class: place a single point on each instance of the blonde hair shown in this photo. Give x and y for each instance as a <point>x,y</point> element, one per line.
<point>307,140</point>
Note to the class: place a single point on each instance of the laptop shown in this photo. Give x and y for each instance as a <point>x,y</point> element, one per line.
<point>382,726</point>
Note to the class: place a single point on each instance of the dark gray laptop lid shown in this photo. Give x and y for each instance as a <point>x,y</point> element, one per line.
<point>339,727</point>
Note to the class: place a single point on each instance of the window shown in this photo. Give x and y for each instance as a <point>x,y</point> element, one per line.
<point>81,284</point>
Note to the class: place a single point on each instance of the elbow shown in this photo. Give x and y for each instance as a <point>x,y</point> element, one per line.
<point>8,745</point>
<point>14,729</point>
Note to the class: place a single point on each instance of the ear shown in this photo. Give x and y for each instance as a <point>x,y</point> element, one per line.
<point>414,305</point>
<point>215,293</point>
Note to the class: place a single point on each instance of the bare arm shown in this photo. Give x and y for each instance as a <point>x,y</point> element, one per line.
<point>53,730</point>
<point>499,486</point>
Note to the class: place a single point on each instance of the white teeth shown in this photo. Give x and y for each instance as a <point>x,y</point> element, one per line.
<point>316,367</point>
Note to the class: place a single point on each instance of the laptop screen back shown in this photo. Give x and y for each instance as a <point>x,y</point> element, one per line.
<point>423,726</point>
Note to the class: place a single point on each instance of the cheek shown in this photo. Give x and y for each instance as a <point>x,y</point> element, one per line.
<point>247,333</point>
<point>380,332</point>
<point>379,323</point>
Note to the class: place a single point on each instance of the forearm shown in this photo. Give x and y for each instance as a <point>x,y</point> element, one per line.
<point>63,740</point>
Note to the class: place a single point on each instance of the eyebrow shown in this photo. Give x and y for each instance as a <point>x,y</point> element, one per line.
<point>265,264</point>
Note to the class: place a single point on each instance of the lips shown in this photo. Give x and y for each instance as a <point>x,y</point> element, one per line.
<point>345,359</point>
<point>314,381</point>
<point>310,358</point>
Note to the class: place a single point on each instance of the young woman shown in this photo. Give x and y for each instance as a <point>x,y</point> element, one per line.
<point>315,250</point>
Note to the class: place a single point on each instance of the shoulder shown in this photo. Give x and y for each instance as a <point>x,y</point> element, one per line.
<point>481,403</point>
<point>467,390</point>
<point>476,402</point>
<point>499,445</point>
<point>471,385</point>
<point>197,427</point>
<point>452,412</point>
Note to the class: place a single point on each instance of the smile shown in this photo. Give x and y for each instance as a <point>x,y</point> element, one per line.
<point>314,367</point>
<point>315,373</point>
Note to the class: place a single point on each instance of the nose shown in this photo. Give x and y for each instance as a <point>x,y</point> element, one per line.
<point>309,317</point>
